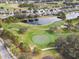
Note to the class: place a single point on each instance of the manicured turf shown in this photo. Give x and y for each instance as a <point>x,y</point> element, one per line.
<point>39,37</point>
<point>36,35</point>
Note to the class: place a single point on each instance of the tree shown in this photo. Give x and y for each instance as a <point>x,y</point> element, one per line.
<point>36,51</point>
<point>0,23</point>
<point>22,30</point>
<point>9,35</point>
<point>68,46</point>
<point>26,5</point>
<point>52,30</point>
<point>61,15</point>
<point>12,19</point>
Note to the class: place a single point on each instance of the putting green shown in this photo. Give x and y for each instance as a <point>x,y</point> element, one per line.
<point>41,39</point>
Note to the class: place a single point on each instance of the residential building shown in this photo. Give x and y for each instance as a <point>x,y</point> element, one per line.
<point>26,1</point>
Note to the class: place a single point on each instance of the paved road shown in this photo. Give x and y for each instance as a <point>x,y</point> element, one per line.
<point>4,53</point>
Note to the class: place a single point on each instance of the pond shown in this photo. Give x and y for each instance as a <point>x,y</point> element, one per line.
<point>51,19</point>
<point>43,21</point>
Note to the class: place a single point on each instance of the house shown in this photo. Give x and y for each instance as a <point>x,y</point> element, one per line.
<point>31,1</point>
<point>2,1</point>
<point>77,5</point>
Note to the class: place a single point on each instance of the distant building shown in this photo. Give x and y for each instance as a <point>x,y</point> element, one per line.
<point>2,1</point>
<point>26,1</point>
<point>68,1</point>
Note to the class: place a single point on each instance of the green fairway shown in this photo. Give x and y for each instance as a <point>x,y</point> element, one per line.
<point>36,35</point>
<point>39,37</point>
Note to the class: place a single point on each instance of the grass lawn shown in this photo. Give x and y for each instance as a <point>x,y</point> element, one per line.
<point>37,35</point>
<point>11,6</point>
<point>8,5</point>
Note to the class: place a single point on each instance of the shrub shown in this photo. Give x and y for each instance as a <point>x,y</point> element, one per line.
<point>12,19</point>
<point>26,5</point>
<point>69,46</point>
